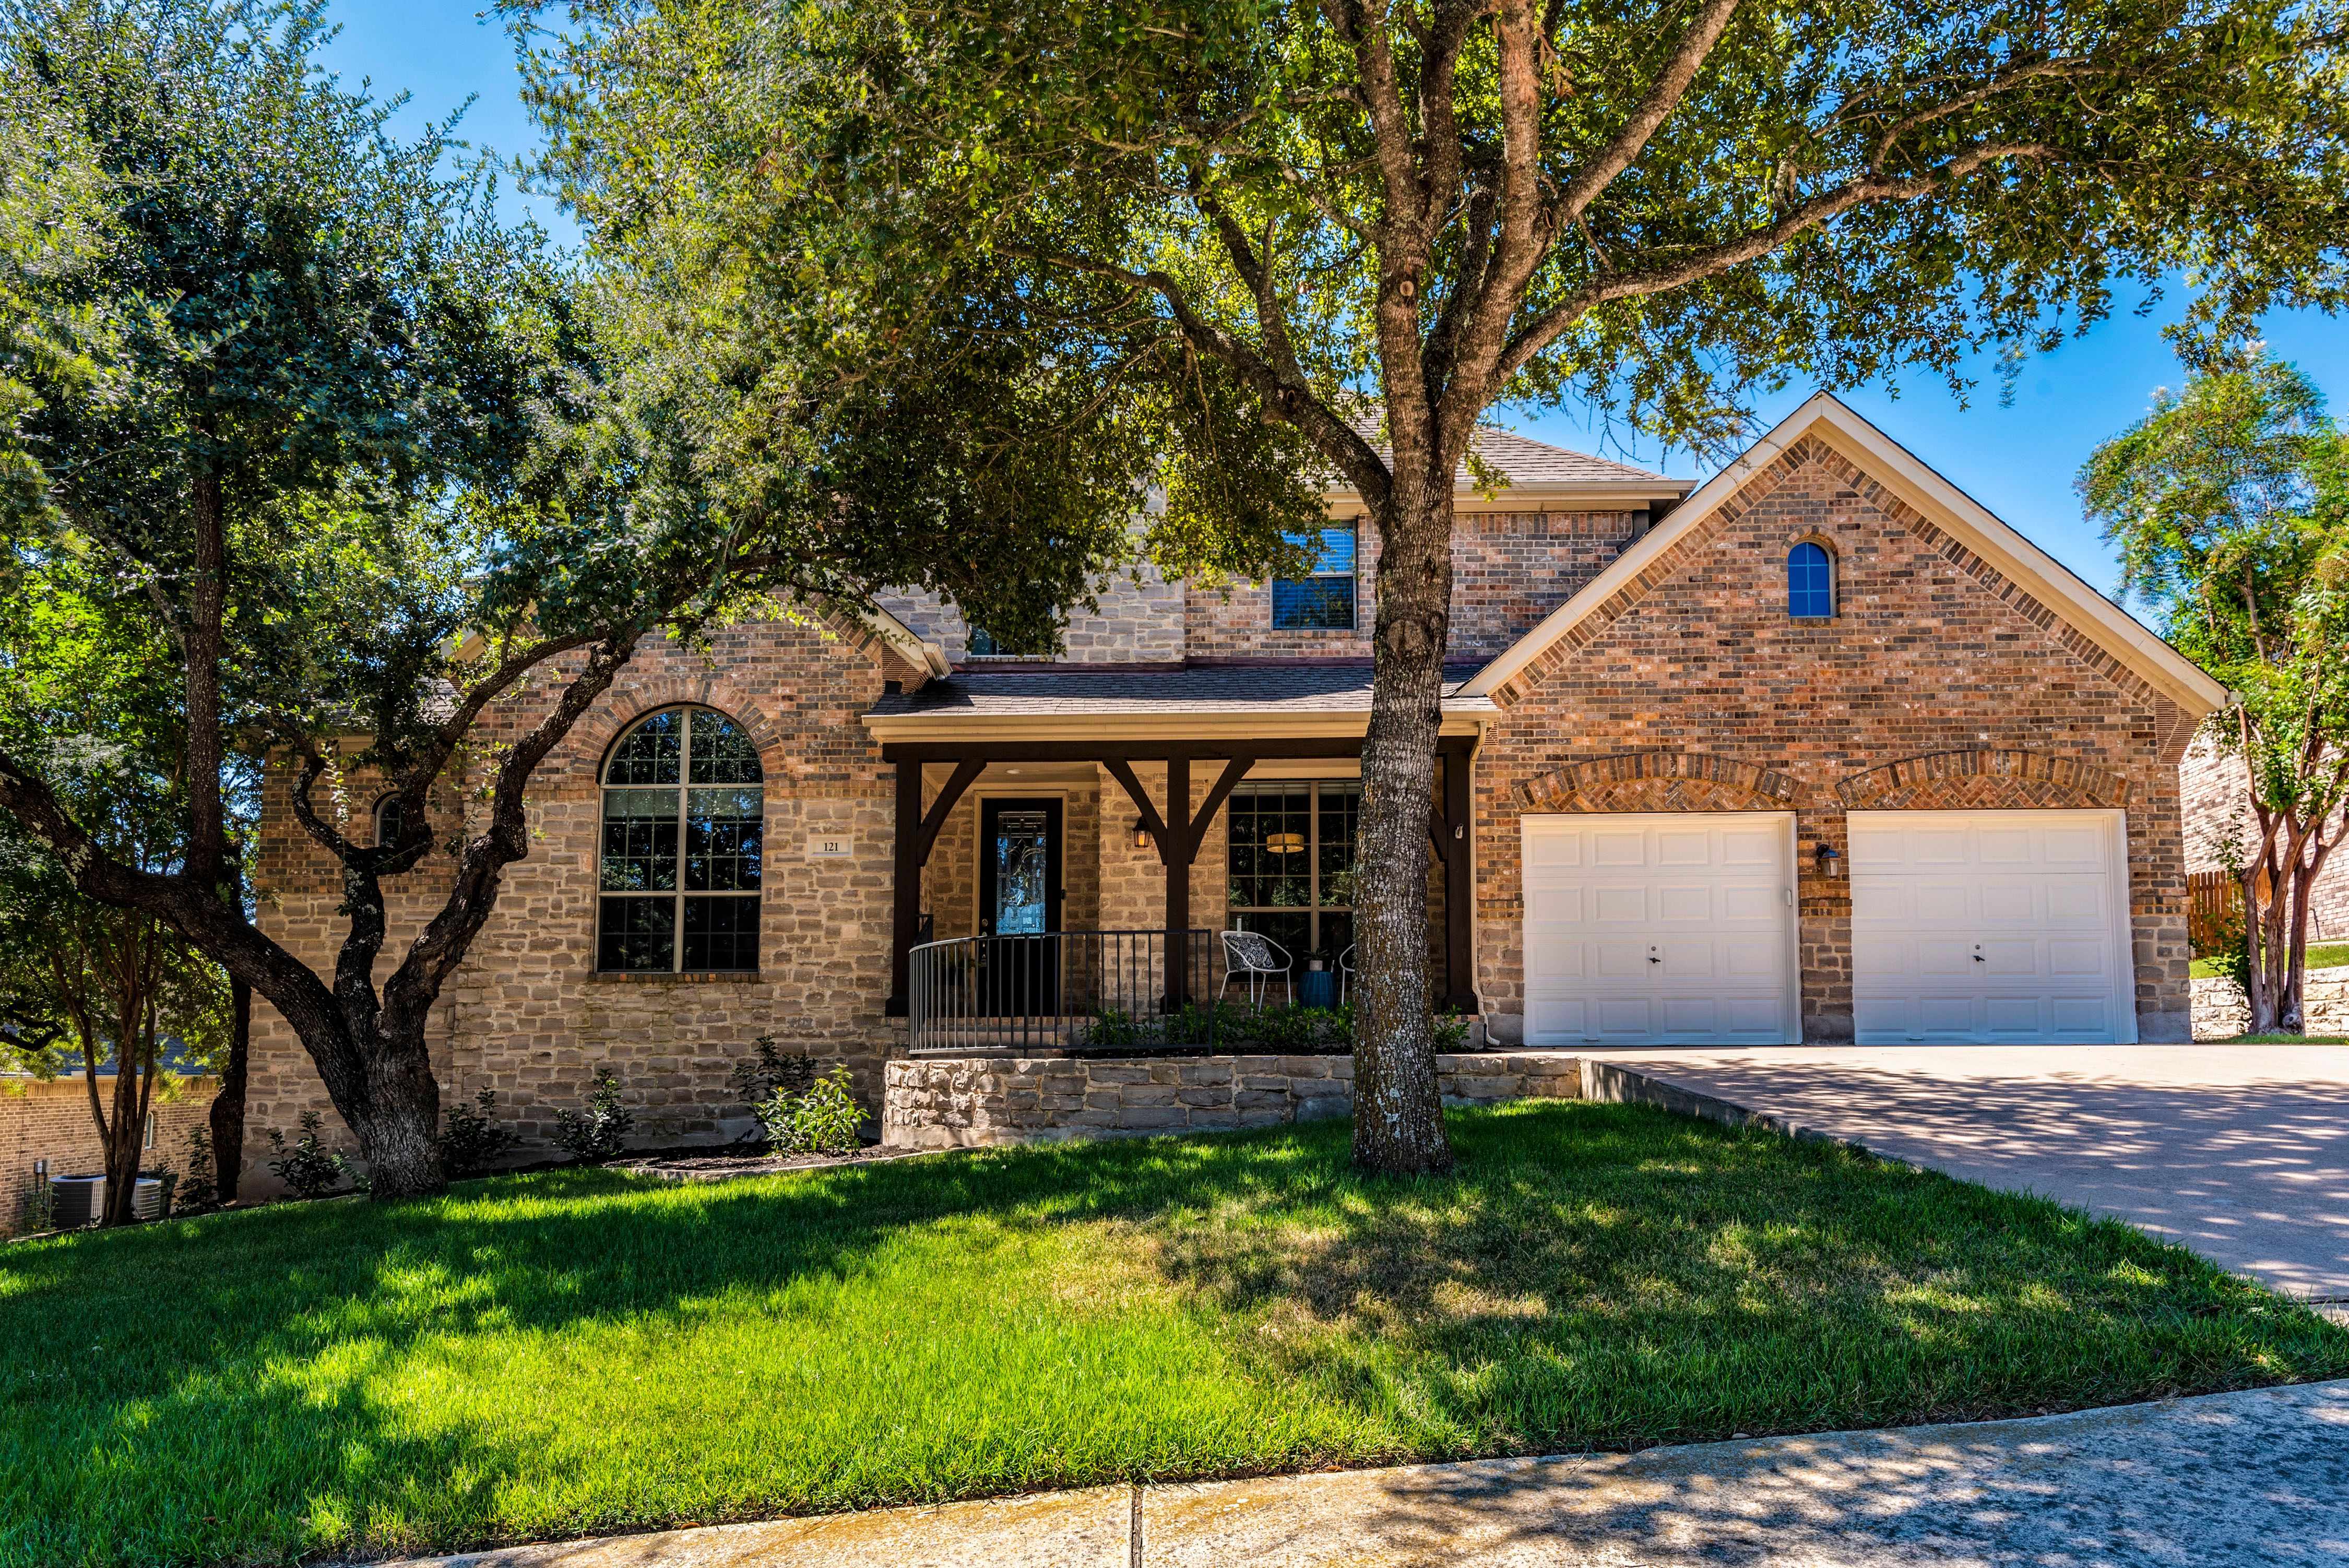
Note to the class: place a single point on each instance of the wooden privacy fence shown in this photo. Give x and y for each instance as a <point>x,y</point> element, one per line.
<point>2213,900</point>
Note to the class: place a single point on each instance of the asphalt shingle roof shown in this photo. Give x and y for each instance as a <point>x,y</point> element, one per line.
<point>1533,463</point>
<point>1199,688</point>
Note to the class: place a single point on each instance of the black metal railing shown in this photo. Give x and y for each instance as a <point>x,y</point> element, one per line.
<point>1062,990</point>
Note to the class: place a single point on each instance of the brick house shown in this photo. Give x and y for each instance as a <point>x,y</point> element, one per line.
<point>1822,751</point>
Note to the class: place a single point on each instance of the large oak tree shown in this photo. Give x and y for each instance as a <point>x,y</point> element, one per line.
<point>1377,219</point>
<point>368,478</point>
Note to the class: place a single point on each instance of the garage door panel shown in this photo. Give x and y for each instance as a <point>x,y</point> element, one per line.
<point>1619,959</point>
<point>1685,960</point>
<point>2073,960</point>
<point>2078,899</point>
<point>1990,925</point>
<point>2012,901</point>
<point>1683,930</point>
<point>1552,951</point>
<point>1683,848</point>
<point>1685,901</point>
<point>1619,849</point>
<point>2073,847</point>
<point>1559,905</point>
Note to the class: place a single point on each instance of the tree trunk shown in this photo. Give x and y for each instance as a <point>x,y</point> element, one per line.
<point>125,1133</point>
<point>227,1114</point>
<point>398,1129</point>
<point>1398,1112</point>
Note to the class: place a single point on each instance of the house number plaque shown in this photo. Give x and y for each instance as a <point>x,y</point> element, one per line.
<point>830,846</point>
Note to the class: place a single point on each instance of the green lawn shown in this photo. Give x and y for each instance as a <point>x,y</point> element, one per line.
<point>2328,956</point>
<point>572,1352</point>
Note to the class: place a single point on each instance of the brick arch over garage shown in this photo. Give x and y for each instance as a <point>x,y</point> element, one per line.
<point>1982,778</point>
<point>1659,781</point>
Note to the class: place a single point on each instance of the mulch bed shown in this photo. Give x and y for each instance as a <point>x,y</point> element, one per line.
<point>720,1165</point>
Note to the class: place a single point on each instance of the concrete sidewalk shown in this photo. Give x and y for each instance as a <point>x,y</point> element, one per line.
<point>2261,1477</point>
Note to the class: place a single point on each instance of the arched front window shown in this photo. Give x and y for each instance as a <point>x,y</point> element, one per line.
<point>388,820</point>
<point>1810,582</point>
<point>684,840</point>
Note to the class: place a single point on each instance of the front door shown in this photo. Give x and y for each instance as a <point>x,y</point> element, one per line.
<point>1018,906</point>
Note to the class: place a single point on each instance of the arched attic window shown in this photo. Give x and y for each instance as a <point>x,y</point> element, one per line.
<point>684,846</point>
<point>1810,582</point>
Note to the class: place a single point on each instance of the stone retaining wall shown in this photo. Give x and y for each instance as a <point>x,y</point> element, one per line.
<point>2221,1013</point>
<point>975,1101</point>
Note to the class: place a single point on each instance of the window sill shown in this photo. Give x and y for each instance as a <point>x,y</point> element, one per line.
<point>691,977</point>
<point>1812,619</point>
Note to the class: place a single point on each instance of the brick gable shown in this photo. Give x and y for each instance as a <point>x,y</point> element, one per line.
<point>1938,685</point>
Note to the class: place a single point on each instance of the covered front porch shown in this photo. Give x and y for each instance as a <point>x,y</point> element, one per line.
<point>1071,846</point>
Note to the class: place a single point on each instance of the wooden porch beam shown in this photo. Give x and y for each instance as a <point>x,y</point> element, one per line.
<point>1309,748</point>
<point>966,774</point>
<point>1122,771</point>
<point>1196,832</point>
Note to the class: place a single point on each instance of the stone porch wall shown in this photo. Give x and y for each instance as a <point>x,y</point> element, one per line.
<point>981,1101</point>
<point>2220,1012</point>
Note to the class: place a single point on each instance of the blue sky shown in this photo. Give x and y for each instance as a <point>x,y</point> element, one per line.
<point>2017,459</point>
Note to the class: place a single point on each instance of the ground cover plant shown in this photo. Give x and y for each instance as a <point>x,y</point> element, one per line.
<point>2321,955</point>
<point>580,1350</point>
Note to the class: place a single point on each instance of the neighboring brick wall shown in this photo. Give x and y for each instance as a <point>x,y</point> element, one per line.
<point>51,1121</point>
<point>1509,569</point>
<point>527,1015</point>
<point>1938,686</point>
<point>977,1101</point>
<point>2214,789</point>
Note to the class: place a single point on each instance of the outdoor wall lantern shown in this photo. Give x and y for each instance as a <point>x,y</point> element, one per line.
<point>1141,835</point>
<point>1829,860</point>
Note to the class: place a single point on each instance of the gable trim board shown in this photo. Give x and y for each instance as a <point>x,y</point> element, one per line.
<point>2030,570</point>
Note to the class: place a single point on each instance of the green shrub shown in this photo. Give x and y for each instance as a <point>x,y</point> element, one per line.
<point>826,1120</point>
<point>201,1189</point>
<point>470,1141</point>
<point>757,1079</point>
<point>307,1167</point>
<point>597,1133</point>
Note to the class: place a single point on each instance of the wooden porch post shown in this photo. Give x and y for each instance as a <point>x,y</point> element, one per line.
<point>1175,843</point>
<point>905,912</point>
<point>1459,879</point>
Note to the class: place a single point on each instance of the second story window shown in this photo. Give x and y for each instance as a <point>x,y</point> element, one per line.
<point>683,848</point>
<point>1324,601</point>
<point>1810,582</point>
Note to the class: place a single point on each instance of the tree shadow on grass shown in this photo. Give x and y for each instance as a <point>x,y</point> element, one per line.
<point>1596,1275</point>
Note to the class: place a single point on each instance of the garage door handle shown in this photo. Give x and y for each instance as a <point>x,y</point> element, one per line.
<point>1979,959</point>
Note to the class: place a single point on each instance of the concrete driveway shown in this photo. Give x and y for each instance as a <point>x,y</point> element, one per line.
<point>2240,1153</point>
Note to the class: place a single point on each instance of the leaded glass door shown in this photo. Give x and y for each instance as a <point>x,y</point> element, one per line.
<point>1019,906</point>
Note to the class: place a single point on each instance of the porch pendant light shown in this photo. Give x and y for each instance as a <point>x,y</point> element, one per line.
<point>1286,843</point>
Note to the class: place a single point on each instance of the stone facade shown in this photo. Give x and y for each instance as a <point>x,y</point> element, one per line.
<point>1938,686</point>
<point>51,1121</point>
<point>2221,1011</point>
<point>983,1101</point>
<point>529,1015</point>
<point>2212,788</point>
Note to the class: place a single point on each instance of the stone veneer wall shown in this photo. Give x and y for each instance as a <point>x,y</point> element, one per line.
<point>1938,686</point>
<point>2221,1011</point>
<point>980,1101</point>
<point>1509,569</point>
<point>2212,788</point>
<point>51,1121</point>
<point>527,1013</point>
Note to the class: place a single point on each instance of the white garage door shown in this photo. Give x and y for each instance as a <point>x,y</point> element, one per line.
<point>1661,930</point>
<point>1991,925</point>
